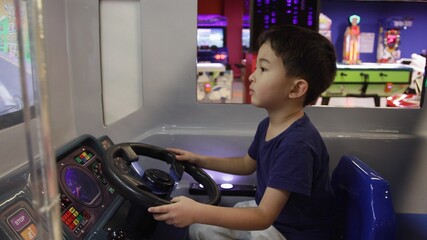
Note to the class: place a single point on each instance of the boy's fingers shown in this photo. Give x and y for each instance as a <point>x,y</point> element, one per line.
<point>159,209</point>
<point>160,217</point>
<point>175,150</point>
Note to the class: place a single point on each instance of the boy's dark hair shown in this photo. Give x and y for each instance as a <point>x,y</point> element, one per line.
<point>305,54</point>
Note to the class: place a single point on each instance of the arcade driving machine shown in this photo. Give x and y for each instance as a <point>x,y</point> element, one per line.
<point>90,188</point>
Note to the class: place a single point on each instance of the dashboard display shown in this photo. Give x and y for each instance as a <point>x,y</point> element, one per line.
<point>80,185</point>
<point>84,193</point>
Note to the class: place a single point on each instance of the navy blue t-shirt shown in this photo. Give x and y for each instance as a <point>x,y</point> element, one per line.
<point>297,161</point>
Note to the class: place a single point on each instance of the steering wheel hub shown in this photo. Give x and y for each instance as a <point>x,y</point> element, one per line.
<point>159,179</point>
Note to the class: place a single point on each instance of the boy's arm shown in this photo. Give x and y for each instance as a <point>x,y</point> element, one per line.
<point>234,165</point>
<point>185,211</point>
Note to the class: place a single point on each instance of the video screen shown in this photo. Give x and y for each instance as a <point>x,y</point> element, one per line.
<point>246,38</point>
<point>210,37</point>
<point>80,185</point>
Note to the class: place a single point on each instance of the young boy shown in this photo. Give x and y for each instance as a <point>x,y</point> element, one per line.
<point>294,199</point>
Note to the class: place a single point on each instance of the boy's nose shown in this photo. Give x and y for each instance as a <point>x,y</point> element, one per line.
<point>251,77</point>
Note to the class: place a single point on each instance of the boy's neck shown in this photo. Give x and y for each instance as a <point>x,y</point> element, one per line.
<point>280,121</point>
<point>288,113</point>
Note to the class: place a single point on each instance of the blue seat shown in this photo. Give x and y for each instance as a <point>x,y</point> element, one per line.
<point>365,203</point>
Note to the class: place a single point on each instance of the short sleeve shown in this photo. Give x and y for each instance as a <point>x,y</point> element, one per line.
<point>292,170</point>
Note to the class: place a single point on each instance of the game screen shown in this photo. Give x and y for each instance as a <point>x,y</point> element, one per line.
<point>80,185</point>
<point>210,37</point>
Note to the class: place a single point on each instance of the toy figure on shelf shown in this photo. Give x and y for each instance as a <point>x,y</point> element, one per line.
<point>351,51</point>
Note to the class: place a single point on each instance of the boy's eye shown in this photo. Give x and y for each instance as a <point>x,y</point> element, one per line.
<point>263,69</point>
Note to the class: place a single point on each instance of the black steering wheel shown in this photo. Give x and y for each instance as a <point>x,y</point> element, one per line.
<point>154,187</point>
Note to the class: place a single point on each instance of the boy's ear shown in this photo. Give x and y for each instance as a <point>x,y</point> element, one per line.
<point>299,88</point>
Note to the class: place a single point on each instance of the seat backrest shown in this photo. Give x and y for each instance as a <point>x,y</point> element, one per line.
<point>364,199</point>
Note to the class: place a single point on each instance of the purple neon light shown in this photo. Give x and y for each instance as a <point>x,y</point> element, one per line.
<point>211,20</point>
<point>293,8</point>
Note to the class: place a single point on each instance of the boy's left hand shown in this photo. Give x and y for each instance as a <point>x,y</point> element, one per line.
<point>180,213</point>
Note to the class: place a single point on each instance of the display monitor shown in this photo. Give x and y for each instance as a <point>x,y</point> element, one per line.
<point>81,186</point>
<point>208,37</point>
<point>246,38</point>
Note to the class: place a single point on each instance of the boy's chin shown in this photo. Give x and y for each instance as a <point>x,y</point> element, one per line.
<point>255,103</point>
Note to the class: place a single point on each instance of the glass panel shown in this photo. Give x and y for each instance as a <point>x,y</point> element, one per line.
<point>120,63</point>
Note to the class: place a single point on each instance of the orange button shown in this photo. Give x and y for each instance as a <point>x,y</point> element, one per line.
<point>30,232</point>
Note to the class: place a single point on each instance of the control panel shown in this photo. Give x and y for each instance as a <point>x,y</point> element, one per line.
<point>87,200</point>
<point>84,192</point>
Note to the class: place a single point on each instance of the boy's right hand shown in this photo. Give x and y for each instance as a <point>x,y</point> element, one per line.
<point>183,155</point>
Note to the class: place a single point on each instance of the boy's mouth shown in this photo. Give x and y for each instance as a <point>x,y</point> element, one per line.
<point>251,91</point>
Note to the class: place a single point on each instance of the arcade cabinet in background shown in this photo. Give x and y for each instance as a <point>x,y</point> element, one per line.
<point>214,79</point>
<point>389,38</point>
<point>211,41</point>
<point>411,98</point>
<point>265,14</point>
<point>214,83</point>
